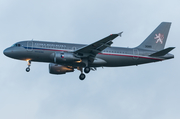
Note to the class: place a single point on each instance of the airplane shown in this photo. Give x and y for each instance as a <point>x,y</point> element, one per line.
<point>66,57</point>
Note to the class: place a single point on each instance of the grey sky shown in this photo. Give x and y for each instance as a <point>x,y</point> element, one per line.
<point>148,91</point>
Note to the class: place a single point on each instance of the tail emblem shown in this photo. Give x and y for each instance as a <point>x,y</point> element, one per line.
<point>159,38</point>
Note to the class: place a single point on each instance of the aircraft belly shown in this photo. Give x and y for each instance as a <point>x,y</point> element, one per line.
<point>116,61</point>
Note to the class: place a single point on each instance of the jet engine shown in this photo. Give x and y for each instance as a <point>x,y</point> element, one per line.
<point>64,57</point>
<point>59,69</point>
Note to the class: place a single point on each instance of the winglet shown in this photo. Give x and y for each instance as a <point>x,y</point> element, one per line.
<point>120,34</point>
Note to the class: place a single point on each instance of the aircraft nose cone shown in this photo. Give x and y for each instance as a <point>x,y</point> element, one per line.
<point>7,52</point>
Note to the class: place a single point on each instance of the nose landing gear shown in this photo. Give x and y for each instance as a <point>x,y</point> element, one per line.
<point>27,69</point>
<point>29,64</point>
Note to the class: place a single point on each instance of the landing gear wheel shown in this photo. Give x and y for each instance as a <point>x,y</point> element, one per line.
<point>87,70</point>
<point>27,69</point>
<point>29,64</point>
<point>82,76</point>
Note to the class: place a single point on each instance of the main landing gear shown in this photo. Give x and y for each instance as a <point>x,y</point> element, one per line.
<point>87,70</point>
<point>82,76</point>
<point>29,64</point>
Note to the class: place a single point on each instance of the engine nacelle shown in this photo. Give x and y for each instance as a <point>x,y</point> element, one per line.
<point>64,57</point>
<point>58,69</point>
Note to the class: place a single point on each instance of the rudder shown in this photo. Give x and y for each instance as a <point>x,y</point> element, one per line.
<point>157,39</point>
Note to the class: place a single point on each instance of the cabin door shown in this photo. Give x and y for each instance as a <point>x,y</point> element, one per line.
<point>135,54</point>
<point>29,45</point>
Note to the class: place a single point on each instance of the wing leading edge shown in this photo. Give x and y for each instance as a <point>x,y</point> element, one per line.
<point>96,47</point>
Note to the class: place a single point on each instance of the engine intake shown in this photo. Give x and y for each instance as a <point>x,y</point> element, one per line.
<point>58,69</point>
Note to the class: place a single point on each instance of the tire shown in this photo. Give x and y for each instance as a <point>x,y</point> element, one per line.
<point>27,69</point>
<point>87,70</point>
<point>82,76</point>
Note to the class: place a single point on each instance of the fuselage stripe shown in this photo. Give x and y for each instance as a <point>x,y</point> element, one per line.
<point>135,56</point>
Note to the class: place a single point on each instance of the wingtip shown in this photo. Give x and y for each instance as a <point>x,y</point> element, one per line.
<point>120,34</point>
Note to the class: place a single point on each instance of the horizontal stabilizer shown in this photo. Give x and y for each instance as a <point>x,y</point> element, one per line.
<point>162,52</point>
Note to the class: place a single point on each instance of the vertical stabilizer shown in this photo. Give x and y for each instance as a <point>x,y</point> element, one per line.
<point>157,39</point>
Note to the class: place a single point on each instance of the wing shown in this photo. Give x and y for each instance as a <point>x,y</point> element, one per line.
<point>95,48</point>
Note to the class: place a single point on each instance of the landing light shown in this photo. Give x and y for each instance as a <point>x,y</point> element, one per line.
<point>28,60</point>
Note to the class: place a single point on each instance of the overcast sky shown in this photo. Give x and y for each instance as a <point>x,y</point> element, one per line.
<point>149,91</point>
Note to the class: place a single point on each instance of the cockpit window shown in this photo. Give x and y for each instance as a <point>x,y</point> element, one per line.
<point>17,45</point>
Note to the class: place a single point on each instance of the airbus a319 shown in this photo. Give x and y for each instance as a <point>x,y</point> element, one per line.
<point>66,57</point>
